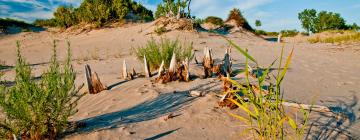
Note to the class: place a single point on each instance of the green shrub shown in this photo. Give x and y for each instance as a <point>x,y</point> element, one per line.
<point>266,117</point>
<point>98,12</point>
<point>214,20</point>
<point>45,22</point>
<point>160,30</point>
<point>39,109</point>
<point>262,32</point>
<point>289,33</point>
<point>65,16</point>
<point>158,51</point>
<point>170,5</point>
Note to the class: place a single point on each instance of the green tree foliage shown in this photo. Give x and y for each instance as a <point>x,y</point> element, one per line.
<point>308,19</point>
<point>170,6</point>
<point>45,22</point>
<point>257,23</point>
<point>235,14</point>
<point>98,12</point>
<point>5,23</point>
<point>65,16</point>
<point>39,110</point>
<point>315,22</point>
<point>214,20</point>
<point>289,33</point>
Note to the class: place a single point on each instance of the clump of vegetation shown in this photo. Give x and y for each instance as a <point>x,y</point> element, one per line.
<point>236,15</point>
<point>318,22</point>
<point>335,36</point>
<point>257,23</point>
<point>214,20</point>
<point>266,116</point>
<point>98,12</point>
<point>158,51</point>
<point>7,23</point>
<point>39,109</point>
<point>265,33</point>
<point>170,7</point>
<point>289,33</point>
<point>160,30</point>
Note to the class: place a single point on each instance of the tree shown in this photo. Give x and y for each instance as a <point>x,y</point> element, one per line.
<point>257,23</point>
<point>308,18</point>
<point>317,22</point>
<point>172,8</point>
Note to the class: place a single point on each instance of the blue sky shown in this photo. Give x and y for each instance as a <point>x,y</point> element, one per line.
<point>274,14</point>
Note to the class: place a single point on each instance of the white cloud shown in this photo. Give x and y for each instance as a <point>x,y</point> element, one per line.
<point>4,9</point>
<point>30,16</point>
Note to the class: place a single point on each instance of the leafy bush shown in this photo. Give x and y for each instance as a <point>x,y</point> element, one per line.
<point>266,117</point>
<point>317,22</point>
<point>170,6</point>
<point>156,52</point>
<point>235,14</point>
<point>99,12</point>
<point>289,33</point>
<point>45,22</point>
<point>262,32</point>
<point>336,36</point>
<point>214,20</point>
<point>39,110</point>
<point>65,16</point>
<point>160,30</point>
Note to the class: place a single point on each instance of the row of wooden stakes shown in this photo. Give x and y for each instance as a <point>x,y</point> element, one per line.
<point>175,72</point>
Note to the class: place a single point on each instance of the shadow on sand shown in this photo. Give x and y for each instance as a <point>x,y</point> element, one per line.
<point>342,123</point>
<point>163,104</point>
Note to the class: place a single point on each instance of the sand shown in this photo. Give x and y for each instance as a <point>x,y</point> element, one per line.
<point>324,74</point>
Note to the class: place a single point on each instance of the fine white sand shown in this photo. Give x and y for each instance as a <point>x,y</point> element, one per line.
<point>323,74</point>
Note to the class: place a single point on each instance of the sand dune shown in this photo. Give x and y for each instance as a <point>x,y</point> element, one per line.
<point>322,73</point>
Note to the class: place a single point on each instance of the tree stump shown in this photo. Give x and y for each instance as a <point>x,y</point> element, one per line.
<point>208,63</point>
<point>93,82</point>
<point>146,68</point>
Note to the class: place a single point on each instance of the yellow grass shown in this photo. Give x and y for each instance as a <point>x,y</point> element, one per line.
<point>336,36</point>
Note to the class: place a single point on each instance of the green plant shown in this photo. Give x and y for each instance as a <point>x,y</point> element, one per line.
<point>160,30</point>
<point>214,20</point>
<point>170,6</point>
<point>266,117</point>
<point>156,52</point>
<point>289,33</point>
<point>39,110</point>
<point>318,22</point>
<point>257,23</point>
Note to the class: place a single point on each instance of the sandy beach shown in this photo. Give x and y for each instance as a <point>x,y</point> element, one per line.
<point>323,74</point>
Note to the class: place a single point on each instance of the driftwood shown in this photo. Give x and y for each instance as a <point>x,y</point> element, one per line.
<point>226,67</point>
<point>93,82</point>
<point>208,62</point>
<point>174,73</point>
<point>317,108</point>
<point>146,68</point>
<point>227,87</point>
<point>125,74</point>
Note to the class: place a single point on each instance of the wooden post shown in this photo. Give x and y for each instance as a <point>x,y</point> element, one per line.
<point>208,62</point>
<point>227,64</point>
<point>161,70</point>
<point>146,68</point>
<point>93,81</point>
<point>186,72</point>
<point>124,70</point>
<point>172,67</point>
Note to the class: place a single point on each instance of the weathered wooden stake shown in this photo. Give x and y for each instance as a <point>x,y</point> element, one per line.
<point>124,70</point>
<point>208,62</point>
<point>172,67</point>
<point>146,68</point>
<point>227,63</point>
<point>93,81</point>
<point>161,70</point>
